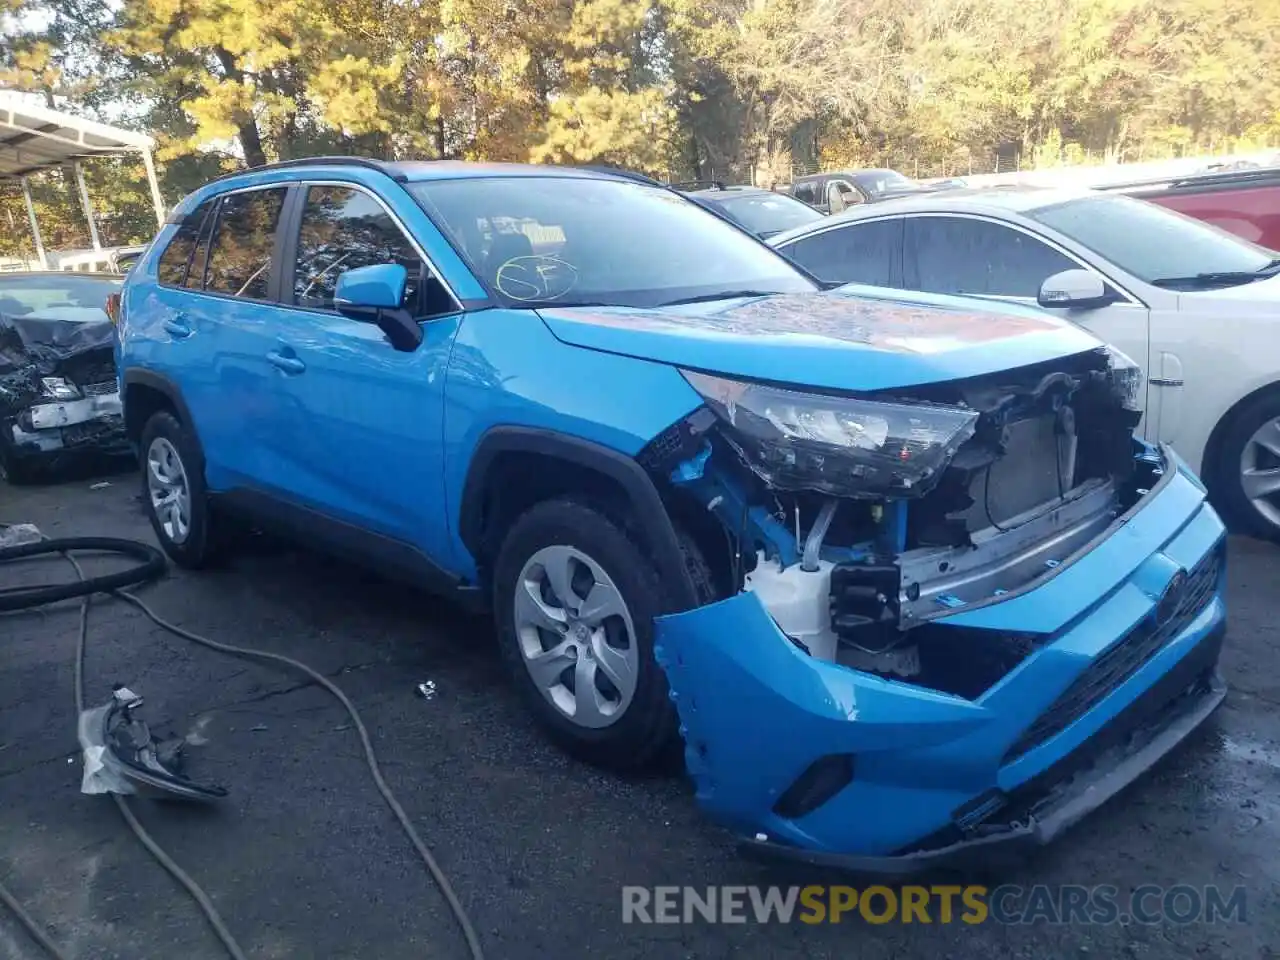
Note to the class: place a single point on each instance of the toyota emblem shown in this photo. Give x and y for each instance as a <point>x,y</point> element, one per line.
<point>1171,600</point>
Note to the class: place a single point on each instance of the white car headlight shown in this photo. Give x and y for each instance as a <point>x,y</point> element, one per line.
<point>59,388</point>
<point>1126,378</point>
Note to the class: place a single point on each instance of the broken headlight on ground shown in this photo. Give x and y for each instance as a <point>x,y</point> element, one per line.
<point>845,446</point>
<point>861,522</point>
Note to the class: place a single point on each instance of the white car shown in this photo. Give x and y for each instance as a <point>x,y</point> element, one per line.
<point>1197,307</point>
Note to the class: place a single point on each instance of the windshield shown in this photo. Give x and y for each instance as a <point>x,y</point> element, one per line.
<point>767,215</point>
<point>878,182</point>
<point>565,241</point>
<point>1153,243</point>
<point>64,297</point>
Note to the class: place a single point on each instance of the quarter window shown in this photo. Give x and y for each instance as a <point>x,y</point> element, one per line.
<point>243,242</point>
<point>344,228</point>
<point>172,266</point>
<point>964,256</point>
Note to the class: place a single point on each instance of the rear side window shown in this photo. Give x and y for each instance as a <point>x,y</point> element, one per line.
<point>172,266</point>
<point>868,253</point>
<point>345,228</point>
<point>240,253</point>
<point>200,256</point>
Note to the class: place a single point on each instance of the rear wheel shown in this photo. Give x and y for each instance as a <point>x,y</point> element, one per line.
<point>574,601</point>
<point>174,493</point>
<point>1249,468</point>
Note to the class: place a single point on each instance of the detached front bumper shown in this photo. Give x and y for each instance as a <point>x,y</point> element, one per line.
<point>891,778</point>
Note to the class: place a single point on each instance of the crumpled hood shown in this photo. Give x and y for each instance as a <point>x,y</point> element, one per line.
<point>854,338</point>
<point>64,342</point>
<point>55,334</point>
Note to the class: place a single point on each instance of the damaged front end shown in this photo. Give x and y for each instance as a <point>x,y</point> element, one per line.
<point>896,564</point>
<point>58,390</point>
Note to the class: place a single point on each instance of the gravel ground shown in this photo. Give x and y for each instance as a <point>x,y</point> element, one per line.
<point>304,860</point>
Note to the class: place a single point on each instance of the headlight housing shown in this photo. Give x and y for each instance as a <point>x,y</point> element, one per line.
<point>848,447</point>
<point>1125,377</point>
<point>58,388</point>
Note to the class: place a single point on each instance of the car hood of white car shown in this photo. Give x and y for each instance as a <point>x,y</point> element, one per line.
<point>1262,297</point>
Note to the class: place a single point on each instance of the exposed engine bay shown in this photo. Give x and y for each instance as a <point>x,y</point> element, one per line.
<point>861,522</point>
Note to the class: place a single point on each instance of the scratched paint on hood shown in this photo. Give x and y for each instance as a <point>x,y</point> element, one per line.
<point>885,325</point>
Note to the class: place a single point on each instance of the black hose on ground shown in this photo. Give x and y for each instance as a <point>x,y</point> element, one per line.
<point>150,567</point>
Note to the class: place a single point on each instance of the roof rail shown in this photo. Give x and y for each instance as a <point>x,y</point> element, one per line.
<point>621,172</point>
<point>696,184</point>
<point>368,163</point>
<point>1210,177</point>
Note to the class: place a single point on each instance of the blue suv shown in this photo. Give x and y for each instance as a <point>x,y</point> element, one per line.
<point>893,566</point>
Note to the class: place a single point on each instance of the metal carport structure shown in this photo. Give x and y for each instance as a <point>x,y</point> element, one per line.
<point>34,138</point>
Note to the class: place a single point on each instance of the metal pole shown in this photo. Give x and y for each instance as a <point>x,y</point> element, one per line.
<point>88,207</point>
<point>156,200</point>
<point>35,227</point>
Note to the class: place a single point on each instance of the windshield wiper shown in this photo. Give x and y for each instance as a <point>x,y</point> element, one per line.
<point>722,295</point>
<point>1222,278</point>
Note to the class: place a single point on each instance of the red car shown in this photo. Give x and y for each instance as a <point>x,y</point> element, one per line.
<point>1245,202</point>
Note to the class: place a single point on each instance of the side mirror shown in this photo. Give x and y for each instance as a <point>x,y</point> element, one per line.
<point>374,294</point>
<point>1074,290</point>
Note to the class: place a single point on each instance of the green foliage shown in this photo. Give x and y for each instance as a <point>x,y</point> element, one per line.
<point>679,88</point>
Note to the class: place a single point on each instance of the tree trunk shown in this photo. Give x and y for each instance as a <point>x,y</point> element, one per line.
<point>246,125</point>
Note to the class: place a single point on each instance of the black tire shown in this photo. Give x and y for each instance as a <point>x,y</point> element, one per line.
<point>648,727</point>
<point>14,469</point>
<point>207,539</point>
<point>1225,480</point>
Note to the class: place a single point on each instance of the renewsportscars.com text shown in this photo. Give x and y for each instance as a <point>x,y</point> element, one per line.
<point>973,904</point>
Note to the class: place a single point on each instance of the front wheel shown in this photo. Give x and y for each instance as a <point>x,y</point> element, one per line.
<point>574,601</point>
<point>15,469</point>
<point>1248,472</point>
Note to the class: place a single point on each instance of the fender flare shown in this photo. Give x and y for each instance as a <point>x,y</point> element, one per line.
<point>163,385</point>
<point>654,523</point>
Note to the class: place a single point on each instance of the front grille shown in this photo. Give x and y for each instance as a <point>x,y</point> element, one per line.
<point>100,389</point>
<point>1123,658</point>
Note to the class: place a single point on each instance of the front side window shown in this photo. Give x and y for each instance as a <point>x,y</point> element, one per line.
<point>344,228</point>
<point>805,192</point>
<point>964,256</point>
<point>561,241</point>
<point>240,253</point>
<point>171,269</point>
<point>859,253</point>
<point>1154,243</point>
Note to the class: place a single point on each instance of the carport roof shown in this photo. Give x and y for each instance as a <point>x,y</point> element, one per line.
<point>36,138</point>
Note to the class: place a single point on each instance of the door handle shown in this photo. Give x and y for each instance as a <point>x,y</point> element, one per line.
<point>286,363</point>
<point>178,327</point>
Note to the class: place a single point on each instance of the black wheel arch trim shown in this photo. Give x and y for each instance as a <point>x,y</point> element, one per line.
<point>654,522</point>
<point>161,384</point>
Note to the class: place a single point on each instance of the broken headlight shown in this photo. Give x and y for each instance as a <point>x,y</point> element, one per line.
<point>839,445</point>
<point>1125,377</point>
<point>58,388</point>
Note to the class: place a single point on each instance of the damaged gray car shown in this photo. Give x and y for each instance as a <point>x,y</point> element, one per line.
<point>59,399</point>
